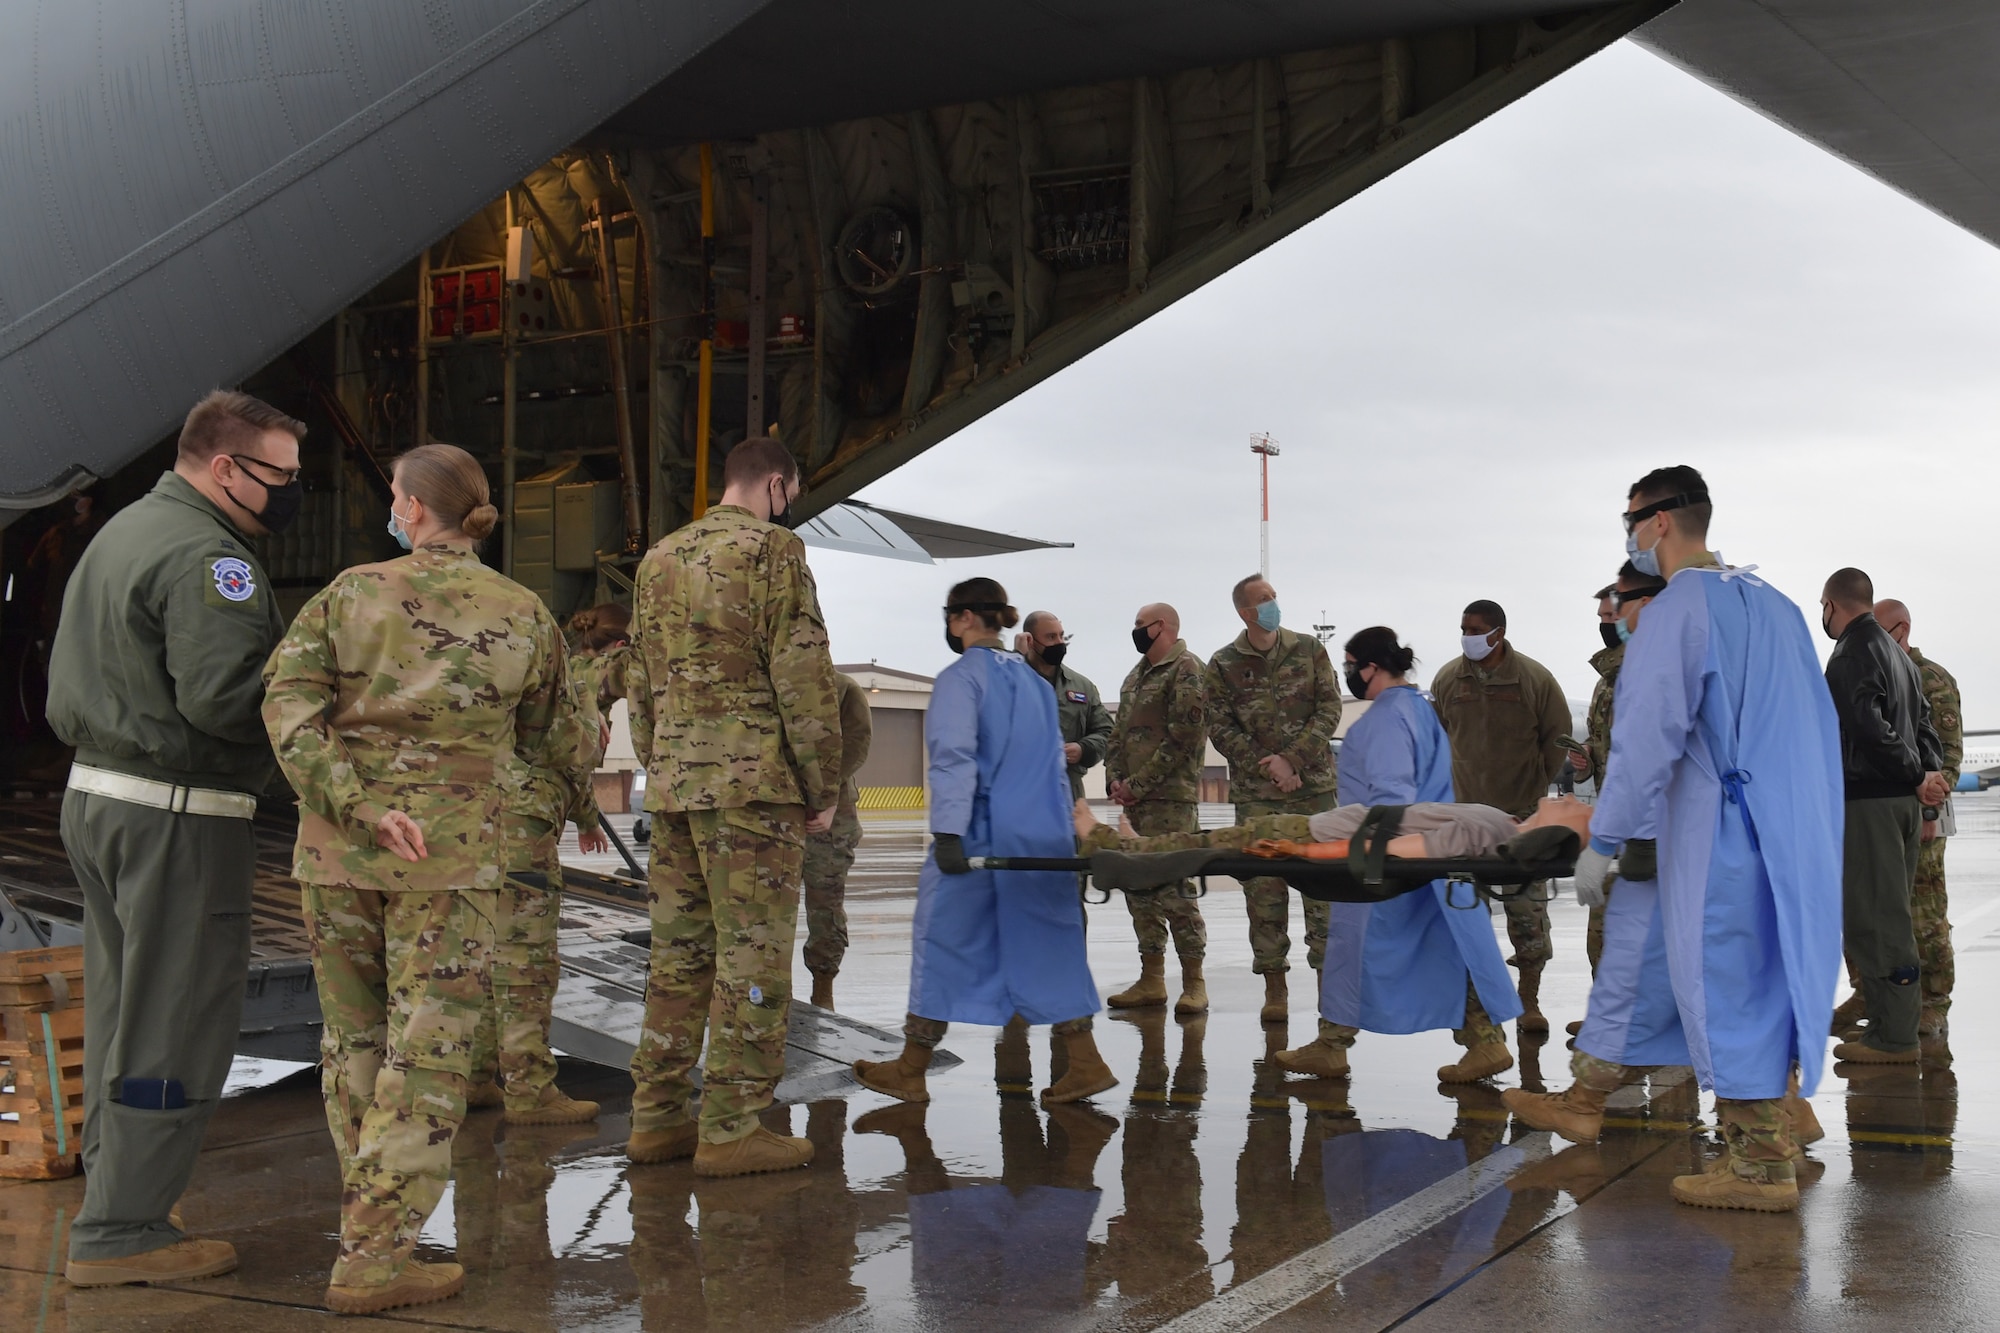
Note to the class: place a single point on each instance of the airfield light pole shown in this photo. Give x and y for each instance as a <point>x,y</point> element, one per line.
<point>1266,449</point>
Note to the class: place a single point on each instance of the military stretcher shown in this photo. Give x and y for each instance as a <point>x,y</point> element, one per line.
<point>1355,870</point>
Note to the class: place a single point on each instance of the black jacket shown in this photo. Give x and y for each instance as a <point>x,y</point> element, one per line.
<point>1886,740</point>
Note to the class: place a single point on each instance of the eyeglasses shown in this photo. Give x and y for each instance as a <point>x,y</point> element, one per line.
<point>1646,511</point>
<point>290,474</point>
<point>1622,599</point>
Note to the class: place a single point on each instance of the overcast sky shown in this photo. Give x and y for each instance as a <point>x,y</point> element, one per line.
<point>1466,367</point>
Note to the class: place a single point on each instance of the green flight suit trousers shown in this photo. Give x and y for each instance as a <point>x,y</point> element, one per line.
<point>166,944</point>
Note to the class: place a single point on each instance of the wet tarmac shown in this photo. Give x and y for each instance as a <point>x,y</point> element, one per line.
<point>1205,1192</point>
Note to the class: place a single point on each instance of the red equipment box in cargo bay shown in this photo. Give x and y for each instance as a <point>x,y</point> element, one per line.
<point>465,303</point>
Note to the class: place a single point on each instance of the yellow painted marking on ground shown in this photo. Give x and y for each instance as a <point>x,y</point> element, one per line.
<point>1910,1140</point>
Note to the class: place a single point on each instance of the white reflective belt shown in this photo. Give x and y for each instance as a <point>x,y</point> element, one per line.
<point>162,795</point>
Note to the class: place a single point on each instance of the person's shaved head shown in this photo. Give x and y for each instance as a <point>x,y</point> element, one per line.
<point>1894,617</point>
<point>1850,590</point>
<point>1160,611</point>
<point>1034,619</point>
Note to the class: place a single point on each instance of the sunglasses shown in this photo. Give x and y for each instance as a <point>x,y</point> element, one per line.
<point>1621,600</point>
<point>1646,511</point>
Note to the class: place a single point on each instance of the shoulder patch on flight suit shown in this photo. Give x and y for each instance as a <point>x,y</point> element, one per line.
<point>233,581</point>
<point>1078,697</point>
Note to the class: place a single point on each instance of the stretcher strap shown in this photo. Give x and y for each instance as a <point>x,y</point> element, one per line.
<point>1368,849</point>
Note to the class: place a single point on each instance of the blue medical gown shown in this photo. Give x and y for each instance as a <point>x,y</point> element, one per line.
<point>992,944</point>
<point>1725,747</point>
<point>1401,965</point>
<point>1633,1018</point>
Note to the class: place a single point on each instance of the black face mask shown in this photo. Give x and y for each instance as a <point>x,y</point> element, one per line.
<point>1355,685</point>
<point>281,503</point>
<point>953,642</point>
<point>1142,638</point>
<point>1054,653</point>
<point>782,517</point>
<point>1608,631</point>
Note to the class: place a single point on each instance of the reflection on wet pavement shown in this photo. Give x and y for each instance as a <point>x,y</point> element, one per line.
<point>1208,1190</point>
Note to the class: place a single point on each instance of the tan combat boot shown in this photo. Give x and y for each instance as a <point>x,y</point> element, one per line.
<point>1194,990</point>
<point>647,1147</point>
<point>1574,1027</point>
<point>1150,988</point>
<point>823,989</point>
<point>1861,1053</point>
<point>901,1078</point>
<point>1931,1022</point>
<point>484,1096</point>
<point>555,1108</point>
<point>1848,1014</point>
<point>1530,990</point>
<point>1721,1187</point>
<point>1576,1113</point>
<point>1277,1004</point>
<point>178,1262</point>
<point>1318,1058</point>
<point>1087,1074</point>
<point>418,1284</point>
<point>1481,1061</point>
<point>758,1151</point>
<point>1805,1121</point>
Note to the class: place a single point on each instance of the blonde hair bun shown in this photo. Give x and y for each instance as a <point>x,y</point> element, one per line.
<point>479,522</point>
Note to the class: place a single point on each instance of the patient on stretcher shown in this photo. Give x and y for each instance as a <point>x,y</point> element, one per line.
<point>1431,831</point>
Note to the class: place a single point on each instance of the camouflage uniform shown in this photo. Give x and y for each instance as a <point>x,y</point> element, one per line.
<point>1597,742</point>
<point>736,715</point>
<point>1928,903</point>
<point>512,1044</point>
<point>1286,702</point>
<point>1504,722</point>
<point>830,855</point>
<point>433,686</point>
<point>1157,745</point>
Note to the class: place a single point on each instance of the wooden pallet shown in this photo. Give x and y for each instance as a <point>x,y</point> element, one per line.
<point>41,978</point>
<point>41,1092</point>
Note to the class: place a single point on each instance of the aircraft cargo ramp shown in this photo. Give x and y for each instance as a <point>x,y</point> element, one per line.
<point>599,1003</point>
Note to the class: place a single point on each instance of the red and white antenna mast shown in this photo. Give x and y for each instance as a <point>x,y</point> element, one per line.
<point>1266,449</point>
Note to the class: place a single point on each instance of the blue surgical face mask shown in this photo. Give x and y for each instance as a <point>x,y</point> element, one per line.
<point>1646,561</point>
<point>398,531</point>
<point>1267,617</point>
<point>1624,634</point>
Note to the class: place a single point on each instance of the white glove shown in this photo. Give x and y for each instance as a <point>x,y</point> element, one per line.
<point>1593,868</point>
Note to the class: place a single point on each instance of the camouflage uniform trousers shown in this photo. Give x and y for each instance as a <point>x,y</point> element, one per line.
<point>403,978</point>
<point>1479,1029</point>
<point>512,1044</point>
<point>725,906</point>
<point>1528,926</point>
<point>829,856</point>
<point>1928,910</point>
<point>1268,901</point>
<point>1757,1132</point>
<point>1166,910</point>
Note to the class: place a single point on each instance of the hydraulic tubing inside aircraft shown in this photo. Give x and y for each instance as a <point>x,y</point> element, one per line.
<point>510,389</point>
<point>705,377</point>
<point>614,333</point>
